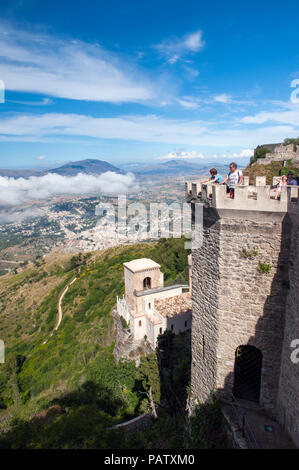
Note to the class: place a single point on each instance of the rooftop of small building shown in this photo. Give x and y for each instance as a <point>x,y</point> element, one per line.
<point>142,264</point>
<point>172,306</point>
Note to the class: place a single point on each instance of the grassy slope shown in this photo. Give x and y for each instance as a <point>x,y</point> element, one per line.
<point>82,349</point>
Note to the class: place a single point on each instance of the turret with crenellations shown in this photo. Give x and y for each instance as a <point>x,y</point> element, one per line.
<point>245,298</point>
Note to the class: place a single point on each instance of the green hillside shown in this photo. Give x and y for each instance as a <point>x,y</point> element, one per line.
<point>71,372</point>
<point>272,169</point>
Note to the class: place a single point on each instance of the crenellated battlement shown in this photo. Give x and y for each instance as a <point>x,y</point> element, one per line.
<point>259,198</point>
<point>245,296</point>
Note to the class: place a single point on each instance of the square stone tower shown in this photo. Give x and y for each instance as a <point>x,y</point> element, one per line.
<point>244,312</point>
<point>141,274</point>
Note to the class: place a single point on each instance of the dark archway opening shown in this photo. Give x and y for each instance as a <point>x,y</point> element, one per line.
<point>248,371</point>
<point>147,282</point>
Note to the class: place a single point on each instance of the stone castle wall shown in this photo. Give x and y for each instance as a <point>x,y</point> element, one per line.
<point>234,304</point>
<point>288,400</point>
<point>280,152</point>
<point>205,314</point>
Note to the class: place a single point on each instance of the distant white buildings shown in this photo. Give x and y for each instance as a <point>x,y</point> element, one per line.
<point>148,307</point>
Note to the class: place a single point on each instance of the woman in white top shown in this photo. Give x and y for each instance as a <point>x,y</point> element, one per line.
<point>282,182</point>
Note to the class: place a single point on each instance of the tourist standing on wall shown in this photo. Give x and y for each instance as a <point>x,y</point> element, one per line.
<point>233,179</point>
<point>282,182</point>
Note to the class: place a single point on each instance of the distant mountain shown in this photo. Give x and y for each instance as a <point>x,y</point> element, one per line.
<point>88,166</point>
<point>20,173</point>
<point>173,168</point>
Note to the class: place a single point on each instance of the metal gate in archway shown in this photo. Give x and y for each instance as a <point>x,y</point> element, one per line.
<point>248,371</point>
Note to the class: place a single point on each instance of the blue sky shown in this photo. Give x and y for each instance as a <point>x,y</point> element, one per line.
<point>146,81</point>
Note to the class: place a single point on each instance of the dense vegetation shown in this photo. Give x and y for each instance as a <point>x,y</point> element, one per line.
<point>289,141</point>
<point>270,170</point>
<point>57,386</point>
<point>260,152</point>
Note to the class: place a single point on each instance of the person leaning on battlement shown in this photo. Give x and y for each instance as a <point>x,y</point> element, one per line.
<point>215,177</point>
<point>233,179</point>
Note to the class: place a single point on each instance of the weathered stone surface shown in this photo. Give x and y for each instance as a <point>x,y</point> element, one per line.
<point>235,304</point>
<point>125,345</point>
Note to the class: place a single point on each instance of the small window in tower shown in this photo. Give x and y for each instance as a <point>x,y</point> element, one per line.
<point>149,306</point>
<point>140,323</point>
<point>171,327</point>
<point>160,331</point>
<point>147,283</point>
<point>186,324</point>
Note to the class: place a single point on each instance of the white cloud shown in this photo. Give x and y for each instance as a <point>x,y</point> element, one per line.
<point>223,98</point>
<point>18,191</point>
<point>174,49</point>
<point>244,153</point>
<point>284,117</point>
<point>148,128</point>
<point>43,102</point>
<point>39,63</point>
<point>181,155</point>
<point>193,42</point>
<point>191,73</point>
<point>42,157</point>
<point>10,216</point>
<point>188,103</point>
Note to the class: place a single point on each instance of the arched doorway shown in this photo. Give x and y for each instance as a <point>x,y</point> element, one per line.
<point>248,371</point>
<point>147,282</point>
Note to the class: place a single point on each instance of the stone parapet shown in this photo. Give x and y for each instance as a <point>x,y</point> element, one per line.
<point>250,198</point>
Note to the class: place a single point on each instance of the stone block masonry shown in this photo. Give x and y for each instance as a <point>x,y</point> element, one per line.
<point>280,153</point>
<point>245,281</point>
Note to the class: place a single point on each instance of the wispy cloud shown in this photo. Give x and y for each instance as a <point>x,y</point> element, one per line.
<point>149,128</point>
<point>246,153</point>
<point>43,102</point>
<point>9,216</point>
<point>289,114</point>
<point>223,98</point>
<point>189,102</point>
<point>40,63</point>
<point>174,49</point>
<point>182,155</point>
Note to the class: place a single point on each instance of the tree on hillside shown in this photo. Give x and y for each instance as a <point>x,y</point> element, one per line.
<point>289,141</point>
<point>148,374</point>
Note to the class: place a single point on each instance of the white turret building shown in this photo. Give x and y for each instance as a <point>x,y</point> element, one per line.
<point>148,307</point>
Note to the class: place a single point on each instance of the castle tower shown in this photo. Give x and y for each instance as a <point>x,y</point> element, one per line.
<point>243,317</point>
<point>140,275</point>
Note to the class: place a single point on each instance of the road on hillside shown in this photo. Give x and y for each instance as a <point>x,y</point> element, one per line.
<point>60,303</point>
<point>59,319</point>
